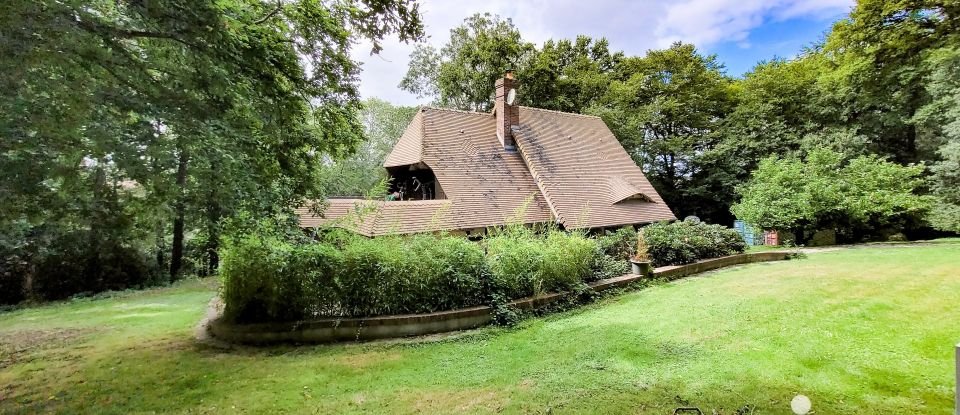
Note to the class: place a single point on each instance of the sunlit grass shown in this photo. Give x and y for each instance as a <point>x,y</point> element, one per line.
<point>867,330</point>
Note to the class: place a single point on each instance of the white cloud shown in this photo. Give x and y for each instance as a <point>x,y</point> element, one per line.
<point>631,26</point>
<point>707,22</point>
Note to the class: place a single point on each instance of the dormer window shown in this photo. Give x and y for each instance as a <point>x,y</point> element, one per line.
<point>414,182</point>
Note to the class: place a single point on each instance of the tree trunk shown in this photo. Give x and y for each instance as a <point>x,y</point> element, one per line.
<point>161,247</point>
<point>176,252</point>
<point>213,233</point>
<point>92,268</point>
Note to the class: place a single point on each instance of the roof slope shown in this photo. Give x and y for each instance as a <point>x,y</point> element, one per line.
<point>409,148</point>
<point>484,185</point>
<point>488,186</point>
<point>569,168</point>
<point>371,217</point>
<point>586,175</point>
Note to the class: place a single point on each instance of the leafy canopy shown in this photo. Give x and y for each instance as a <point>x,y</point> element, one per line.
<point>822,191</point>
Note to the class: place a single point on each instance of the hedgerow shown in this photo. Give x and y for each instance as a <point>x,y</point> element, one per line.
<point>267,276</point>
<point>273,276</point>
<point>690,241</point>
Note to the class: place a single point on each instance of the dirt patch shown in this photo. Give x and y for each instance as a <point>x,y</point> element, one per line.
<point>457,401</point>
<point>526,384</point>
<point>365,360</point>
<point>17,346</point>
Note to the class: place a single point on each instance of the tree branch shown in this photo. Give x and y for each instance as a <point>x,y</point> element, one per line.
<point>271,14</point>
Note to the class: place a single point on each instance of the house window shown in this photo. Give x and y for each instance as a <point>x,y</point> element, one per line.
<point>414,182</point>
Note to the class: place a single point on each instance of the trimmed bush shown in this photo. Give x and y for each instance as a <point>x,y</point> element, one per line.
<point>685,242</point>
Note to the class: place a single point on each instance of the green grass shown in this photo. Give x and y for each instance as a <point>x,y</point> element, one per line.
<point>867,330</point>
<point>765,248</point>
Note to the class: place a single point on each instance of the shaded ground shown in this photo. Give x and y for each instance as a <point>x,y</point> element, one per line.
<point>859,331</point>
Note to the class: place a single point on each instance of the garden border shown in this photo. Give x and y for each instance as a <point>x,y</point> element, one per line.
<point>330,330</point>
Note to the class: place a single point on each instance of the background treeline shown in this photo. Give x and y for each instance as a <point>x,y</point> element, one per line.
<point>131,130</point>
<point>885,81</point>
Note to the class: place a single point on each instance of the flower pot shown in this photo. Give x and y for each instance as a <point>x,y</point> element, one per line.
<point>641,268</point>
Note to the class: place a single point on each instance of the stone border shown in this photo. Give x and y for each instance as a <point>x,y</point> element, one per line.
<point>331,330</point>
<point>671,272</point>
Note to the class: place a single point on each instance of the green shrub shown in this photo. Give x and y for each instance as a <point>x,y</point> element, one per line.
<point>268,279</point>
<point>267,276</point>
<point>524,262</point>
<point>70,265</point>
<point>515,261</point>
<point>257,285</point>
<point>568,260</point>
<point>620,244</point>
<point>686,242</point>
<point>606,266</point>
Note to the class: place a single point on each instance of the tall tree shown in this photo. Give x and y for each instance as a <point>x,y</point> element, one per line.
<point>772,115</point>
<point>567,75</point>
<point>663,108</point>
<point>462,73</point>
<point>180,98</point>
<point>941,118</point>
<point>875,76</point>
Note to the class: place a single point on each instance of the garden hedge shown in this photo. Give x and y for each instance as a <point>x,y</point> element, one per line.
<point>271,277</point>
<point>686,242</point>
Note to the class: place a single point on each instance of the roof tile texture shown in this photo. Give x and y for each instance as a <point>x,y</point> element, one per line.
<point>568,168</point>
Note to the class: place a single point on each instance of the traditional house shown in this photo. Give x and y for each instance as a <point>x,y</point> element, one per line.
<point>466,171</point>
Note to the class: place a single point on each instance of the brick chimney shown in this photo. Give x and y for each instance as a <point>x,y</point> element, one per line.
<point>508,114</point>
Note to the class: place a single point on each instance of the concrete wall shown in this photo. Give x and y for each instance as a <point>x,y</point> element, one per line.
<point>330,330</point>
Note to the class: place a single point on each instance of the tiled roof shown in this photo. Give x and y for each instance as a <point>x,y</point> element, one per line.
<point>569,168</point>
<point>484,185</point>
<point>587,176</point>
<point>368,217</point>
<point>409,148</point>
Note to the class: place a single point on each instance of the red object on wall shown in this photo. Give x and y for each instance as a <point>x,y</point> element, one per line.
<point>770,238</point>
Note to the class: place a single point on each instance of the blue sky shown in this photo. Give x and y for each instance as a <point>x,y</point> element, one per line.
<point>740,32</point>
<point>782,39</point>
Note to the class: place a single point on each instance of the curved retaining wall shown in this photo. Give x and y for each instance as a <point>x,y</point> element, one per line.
<point>371,328</point>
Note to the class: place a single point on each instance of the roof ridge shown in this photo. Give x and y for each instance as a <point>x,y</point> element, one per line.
<point>430,107</point>
<point>572,114</point>
<point>538,180</point>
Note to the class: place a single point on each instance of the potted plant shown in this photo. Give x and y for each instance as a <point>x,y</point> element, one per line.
<point>641,259</point>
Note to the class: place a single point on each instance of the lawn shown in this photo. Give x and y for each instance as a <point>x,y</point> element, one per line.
<point>867,330</point>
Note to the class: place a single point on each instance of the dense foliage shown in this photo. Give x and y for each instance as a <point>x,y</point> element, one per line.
<point>270,276</point>
<point>684,242</point>
<point>620,244</point>
<point>358,171</point>
<point>884,81</point>
<point>275,276</point>
<point>130,125</point>
<point>524,262</point>
<point>822,191</point>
